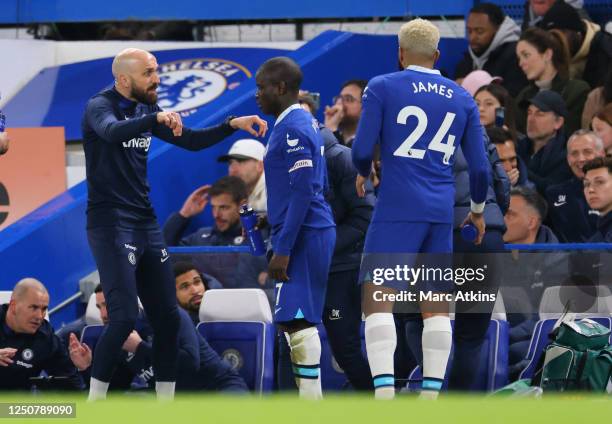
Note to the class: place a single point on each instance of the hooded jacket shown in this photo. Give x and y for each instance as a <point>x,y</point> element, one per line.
<point>499,59</point>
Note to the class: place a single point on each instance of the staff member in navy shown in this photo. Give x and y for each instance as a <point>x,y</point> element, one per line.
<point>122,229</point>
<point>28,344</point>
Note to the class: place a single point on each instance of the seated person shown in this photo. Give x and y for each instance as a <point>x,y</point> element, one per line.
<point>200,368</point>
<point>513,164</point>
<point>526,274</point>
<point>598,193</point>
<point>245,161</point>
<point>570,217</point>
<point>226,196</point>
<point>544,148</point>
<point>191,285</point>
<point>28,345</point>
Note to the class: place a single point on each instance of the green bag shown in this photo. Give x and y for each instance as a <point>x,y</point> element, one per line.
<point>580,358</point>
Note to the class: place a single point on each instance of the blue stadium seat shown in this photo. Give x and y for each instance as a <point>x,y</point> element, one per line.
<point>493,370</point>
<point>237,323</point>
<point>248,346</point>
<point>540,339</point>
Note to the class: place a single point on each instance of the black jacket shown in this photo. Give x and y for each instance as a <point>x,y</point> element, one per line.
<point>498,195</point>
<point>41,351</point>
<point>549,165</point>
<point>503,63</point>
<point>352,213</point>
<point>569,214</point>
<point>599,59</point>
<point>604,230</point>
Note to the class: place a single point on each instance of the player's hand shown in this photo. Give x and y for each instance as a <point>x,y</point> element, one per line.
<point>196,202</point>
<point>4,143</point>
<point>247,123</point>
<point>513,176</point>
<point>172,120</point>
<point>132,342</point>
<point>80,353</point>
<point>262,278</point>
<point>277,268</point>
<point>333,115</point>
<point>5,356</point>
<point>477,219</point>
<point>360,185</point>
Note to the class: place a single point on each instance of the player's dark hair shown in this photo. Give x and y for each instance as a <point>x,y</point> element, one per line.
<point>182,267</point>
<point>499,135</point>
<point>282,69</point>
<point>601,162</point>
<point>233,186</point>
<point>493,11</point>
<point>533,199</point>
<point>98,288</point>
<point>361,83</point>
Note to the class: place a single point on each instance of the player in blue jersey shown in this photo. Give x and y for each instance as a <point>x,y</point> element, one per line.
<point>416,116</point>
<point>122,229</point>
<point>303,233</point>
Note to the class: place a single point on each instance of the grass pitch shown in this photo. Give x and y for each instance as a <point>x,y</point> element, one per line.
<point>335,409</point>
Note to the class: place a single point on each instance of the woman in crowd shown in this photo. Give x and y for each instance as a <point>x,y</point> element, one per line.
<point>490,98</point>
<point>602,125</point>
<point>544,58</point>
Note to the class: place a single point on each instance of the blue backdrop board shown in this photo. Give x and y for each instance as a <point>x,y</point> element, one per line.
<point>51,243</point>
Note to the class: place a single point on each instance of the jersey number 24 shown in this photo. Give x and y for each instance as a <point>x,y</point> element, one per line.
<point>405,149</point>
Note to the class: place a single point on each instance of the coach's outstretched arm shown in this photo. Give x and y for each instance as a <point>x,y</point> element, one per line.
<point>368,133</point>
<point>472,145</point>
<point>192,139</point>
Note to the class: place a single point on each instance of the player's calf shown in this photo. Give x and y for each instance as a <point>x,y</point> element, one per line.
<point>305,347</point>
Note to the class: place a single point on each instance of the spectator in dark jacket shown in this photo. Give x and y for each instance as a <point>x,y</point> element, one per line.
<point>513,164</point>
<point>526,274</point>
<point>536,9</point>
<point>544,147</point>
<point>590,47</point>
<point>226,196</point>
<point>570,217</point>
<point>492,40</point>
<point>598,192</point>
<point>544,58</point>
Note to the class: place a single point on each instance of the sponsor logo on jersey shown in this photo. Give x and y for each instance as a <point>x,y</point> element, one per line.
<point>138,143</point>
<point>292,142</point>
<point>304,163</point>
<point>187,85</point>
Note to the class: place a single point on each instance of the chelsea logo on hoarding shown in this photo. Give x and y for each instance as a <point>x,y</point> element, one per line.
<point>186,85</point>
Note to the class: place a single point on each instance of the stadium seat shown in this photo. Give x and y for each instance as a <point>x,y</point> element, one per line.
<point>493,369</point>
<point>91,334</point>
<point>540,339</point>
<point>5,296</point>
<point>238,325</point>
<point>584,301</point>
<point>92,313</point>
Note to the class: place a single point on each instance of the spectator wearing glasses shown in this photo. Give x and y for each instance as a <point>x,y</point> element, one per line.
<point>343,116</point>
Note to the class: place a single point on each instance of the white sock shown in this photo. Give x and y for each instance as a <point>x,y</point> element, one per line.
<point>381,339</point>
<point>97,390</point>
<point>305,357</point>
<point>165,390</point>
<point>437,341</point>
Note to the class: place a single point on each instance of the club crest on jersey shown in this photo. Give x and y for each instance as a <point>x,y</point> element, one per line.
<point>187,85</point>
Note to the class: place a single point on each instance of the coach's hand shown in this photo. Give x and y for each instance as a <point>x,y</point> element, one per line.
<point>196,202</point>
<point>277,268</point>
<point>80,353</point>
<point>247,123</point>
<point>478,220</point>
<point>5,356</point>
<point>360,185</point>
<point>172,120</point>
<point>132,342</point>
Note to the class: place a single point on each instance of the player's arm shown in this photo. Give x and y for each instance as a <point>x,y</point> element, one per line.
<point>300,172</point>
<point>100,115</point>
<point>472,144</point>
<point>198,139</point>
<point>369,128</point>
